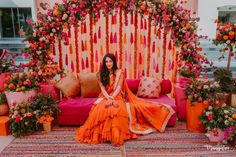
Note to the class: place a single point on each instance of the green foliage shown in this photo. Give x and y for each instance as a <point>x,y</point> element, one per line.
<point>3,99</point>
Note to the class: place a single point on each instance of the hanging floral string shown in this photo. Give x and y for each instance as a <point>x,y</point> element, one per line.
<point>135,44</point>
<point>120,38</point>
<point>76,49</point>
<point>107,34</point>
<point>91,44</point>
<point>164,54</point>
<point>149,47</point>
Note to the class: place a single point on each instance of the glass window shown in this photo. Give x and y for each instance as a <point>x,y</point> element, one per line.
<point>12,20</point>
<point>6,22</point>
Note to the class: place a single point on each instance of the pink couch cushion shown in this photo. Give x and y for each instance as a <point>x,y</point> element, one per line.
<point>165,87</point>
<point>134,83</point>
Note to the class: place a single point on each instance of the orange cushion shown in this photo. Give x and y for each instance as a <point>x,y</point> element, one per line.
<point>149,87</point>
<point>69,85</point>
<point>89,85</point>
<point>4,125</point>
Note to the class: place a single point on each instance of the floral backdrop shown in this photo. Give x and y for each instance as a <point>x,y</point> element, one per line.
<point>139,47</point>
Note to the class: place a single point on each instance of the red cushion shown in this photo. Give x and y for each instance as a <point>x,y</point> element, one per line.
<point>165,87</point>
<point>133,85</point>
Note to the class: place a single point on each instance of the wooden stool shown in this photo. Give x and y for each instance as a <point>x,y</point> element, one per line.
<point>4,125</point>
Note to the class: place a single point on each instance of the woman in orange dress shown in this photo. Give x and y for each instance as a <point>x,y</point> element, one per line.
<point>119,115</point>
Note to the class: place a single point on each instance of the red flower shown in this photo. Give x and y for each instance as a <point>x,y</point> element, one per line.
<point>18,118</point>
<point>210,117</point>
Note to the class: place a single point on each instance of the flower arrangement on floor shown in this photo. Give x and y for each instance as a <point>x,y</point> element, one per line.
<point>204,90</point>
<point>220,122</point>
<point>46,121</point>
<point>24,117</point>
<point>21,82</point>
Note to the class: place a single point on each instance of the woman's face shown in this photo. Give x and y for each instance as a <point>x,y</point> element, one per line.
<point>109,63</point>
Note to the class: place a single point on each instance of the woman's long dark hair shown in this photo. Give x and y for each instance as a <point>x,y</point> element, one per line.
<point>105,79</point>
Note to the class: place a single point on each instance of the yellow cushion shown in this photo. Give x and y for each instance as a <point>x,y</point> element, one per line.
<point>89,85</point>
<point>69,85</point>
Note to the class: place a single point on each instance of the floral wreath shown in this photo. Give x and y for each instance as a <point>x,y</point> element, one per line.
<point>168,15</point>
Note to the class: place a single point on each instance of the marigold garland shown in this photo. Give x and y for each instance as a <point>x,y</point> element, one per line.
<point>91,44</point>
<point>107,34</point>
<point>60,54</point>
<point>149,47</point>
<point>76,49</point>
<point>164,54</point>
<point>120,38</point>
<point>135,44</point>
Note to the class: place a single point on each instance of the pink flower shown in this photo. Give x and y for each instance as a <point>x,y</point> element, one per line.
<point>28,114</point>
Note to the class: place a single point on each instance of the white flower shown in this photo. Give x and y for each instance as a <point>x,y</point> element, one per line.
<point>210,107</point>
<point>51,34</point>
<point>49,18</point>
<point>226,111</point>
<point>53,30</point>
<point>226,122</point>
<point>38,52</point>
<point>73,5</point>
<point>228,42</point>
<point>205,86</point>
<point>65,16</point>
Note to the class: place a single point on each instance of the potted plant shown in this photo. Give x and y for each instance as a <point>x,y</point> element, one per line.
<point>20,87</point>
<point>23,119</point>
<point>25,116</point>
<point>186,72</point>
<point>226,36</point>
<point>200,94</point>
<point>46,121</point>
<point>226,82</point>
<point>220,123</point>
<point>4,109</point>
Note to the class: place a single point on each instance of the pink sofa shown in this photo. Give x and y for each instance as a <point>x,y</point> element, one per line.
<point>75,111</point>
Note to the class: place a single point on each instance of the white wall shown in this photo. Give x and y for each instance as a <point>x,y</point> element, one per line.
<point>20,3</point>
<point>207,11</point>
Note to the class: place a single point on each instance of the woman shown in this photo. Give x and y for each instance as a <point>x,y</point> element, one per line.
<point>118,114</point>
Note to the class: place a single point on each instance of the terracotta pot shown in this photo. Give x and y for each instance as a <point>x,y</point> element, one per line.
<point>4,109</point>
<point>3,79</point>
<point>19,97</point>
<point>47,126</point>
<point>194,124</point>
<point>216,135</point>
<point>233,100</point>
<point>183,81</point>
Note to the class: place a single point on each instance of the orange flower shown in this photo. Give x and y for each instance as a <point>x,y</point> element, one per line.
<point>205,102</point>
<point>216,21</point>
<point>42,119</point>
<point>234,116</point>
<point>143,7</point>
<point>188,26</point>
<point>225,37</point>
<point>231,35</point>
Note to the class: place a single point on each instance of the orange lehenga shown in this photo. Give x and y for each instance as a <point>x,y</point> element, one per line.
<point>133,116</point>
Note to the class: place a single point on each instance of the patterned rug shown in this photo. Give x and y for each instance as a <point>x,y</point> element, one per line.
<point>176,141</point>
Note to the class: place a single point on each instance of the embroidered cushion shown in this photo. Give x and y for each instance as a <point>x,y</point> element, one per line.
<point>89,85</point>
<point>149,87</point>
<point>69,85</point>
